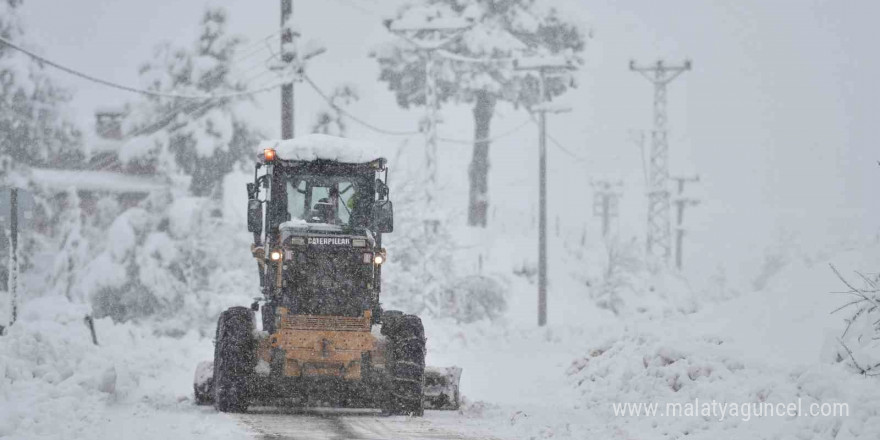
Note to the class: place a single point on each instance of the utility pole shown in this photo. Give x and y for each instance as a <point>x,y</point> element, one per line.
<point>606,198</point>
<point>680,203</point>
<point>12,279</point>
<point>659,237</point>
<point>427,38</point>
<point>292,63</point>
<point>543,66</point>
<point>287,56</point>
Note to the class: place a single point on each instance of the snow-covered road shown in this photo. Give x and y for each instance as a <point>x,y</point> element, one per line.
<point>326,424</point>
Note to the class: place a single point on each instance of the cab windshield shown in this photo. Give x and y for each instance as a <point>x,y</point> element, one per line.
<point>325,200</point>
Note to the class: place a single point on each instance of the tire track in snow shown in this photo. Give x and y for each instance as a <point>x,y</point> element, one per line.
<point>335,424</point>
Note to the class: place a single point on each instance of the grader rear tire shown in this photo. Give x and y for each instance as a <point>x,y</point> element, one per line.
<point>234,360</point>
<point>405,365</point>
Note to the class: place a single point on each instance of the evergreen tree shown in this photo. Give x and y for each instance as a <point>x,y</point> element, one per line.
<point>501,29</point>
<point>202,139</point>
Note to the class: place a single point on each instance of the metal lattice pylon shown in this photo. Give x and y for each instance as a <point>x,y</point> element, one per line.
<point>432,116</point>
<point>659,239</point>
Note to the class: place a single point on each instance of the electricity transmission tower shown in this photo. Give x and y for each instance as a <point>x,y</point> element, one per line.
<point>659,234</point>
<point>427,38</point>
<point>543,66</point>
<point>606,202</point>
<point>680,203</point>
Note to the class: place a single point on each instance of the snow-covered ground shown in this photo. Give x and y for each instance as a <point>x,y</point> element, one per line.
<point>777,346</point>
<point>520,382</point>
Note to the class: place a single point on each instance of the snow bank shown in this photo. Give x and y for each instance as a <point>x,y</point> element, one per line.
<point>776,345</point>
<point>55,384</point>
<point>649,367</point>
<point>769,346</point>
<point>322,146</point>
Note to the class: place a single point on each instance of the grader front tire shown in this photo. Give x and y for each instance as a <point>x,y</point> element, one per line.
<point>234,360</point>
<point>406,365</point>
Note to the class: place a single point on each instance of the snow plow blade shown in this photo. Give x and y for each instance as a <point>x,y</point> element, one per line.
<point>441,388</point>
<point>203,382</point>
<point>440,392</point>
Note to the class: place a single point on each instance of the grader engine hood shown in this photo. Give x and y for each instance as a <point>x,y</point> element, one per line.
<point>328,275</point>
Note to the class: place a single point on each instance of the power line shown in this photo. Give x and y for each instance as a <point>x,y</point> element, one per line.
<point>188,107</point>
<point>491,139</point>
<point>354,5</point>
<point>181,107</point>
<point>103,82</point>
<point>565,150</point>
<point>559,144</point>
<point>260,45</point>
<point>466,59</point>
<point>354,118</point>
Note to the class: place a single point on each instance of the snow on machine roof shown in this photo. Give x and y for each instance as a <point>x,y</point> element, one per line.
<point>322,146</point>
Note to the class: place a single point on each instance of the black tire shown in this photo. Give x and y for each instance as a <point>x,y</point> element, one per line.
<point>405,365</point>
<point>234,360</point>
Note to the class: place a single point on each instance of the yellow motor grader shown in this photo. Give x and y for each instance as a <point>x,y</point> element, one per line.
<point>318,208</point>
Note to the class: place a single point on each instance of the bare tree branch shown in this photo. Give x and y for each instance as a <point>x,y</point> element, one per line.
<point>855,363</point>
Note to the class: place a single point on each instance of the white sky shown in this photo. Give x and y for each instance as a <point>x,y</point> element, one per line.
<point>778,116</point>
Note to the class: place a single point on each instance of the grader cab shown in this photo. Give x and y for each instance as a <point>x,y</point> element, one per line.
<point>318,208</point>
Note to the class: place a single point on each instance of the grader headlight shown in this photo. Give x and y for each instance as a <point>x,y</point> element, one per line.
<point>276,255</point>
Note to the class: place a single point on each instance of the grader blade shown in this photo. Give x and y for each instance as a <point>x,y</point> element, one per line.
<point>441,388</point>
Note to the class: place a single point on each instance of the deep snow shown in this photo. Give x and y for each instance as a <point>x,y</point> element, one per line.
<point>519,382</point>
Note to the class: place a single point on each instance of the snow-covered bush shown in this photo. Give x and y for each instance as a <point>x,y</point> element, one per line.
<point>622,263</point>
<point>613,276</point>
<point>776,258</point>
<point>469,299</point>
<point>859,343</point>
<point>169,260</point>
<point>419,260</point>
<point>421,275</point>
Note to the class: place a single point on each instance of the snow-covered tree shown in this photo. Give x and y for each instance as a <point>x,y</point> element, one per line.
<point>331,121</point>
<point>32,128</point>
<point>202,139</point>
<point>502,29</point>
<point>621,263</point>
<point>422,275</point>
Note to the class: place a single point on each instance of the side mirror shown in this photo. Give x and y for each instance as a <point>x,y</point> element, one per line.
<point>255,216</point>
<point>382,189</point>
<point>382,216</point>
